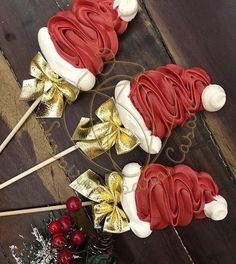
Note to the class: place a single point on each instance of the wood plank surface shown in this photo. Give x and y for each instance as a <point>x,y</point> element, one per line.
<point>30,146</point>
<point>48,186</point>
<point>201,242</point>
<point>200,33</point>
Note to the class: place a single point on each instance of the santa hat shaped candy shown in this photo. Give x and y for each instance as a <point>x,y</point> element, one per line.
<point>157,196</point>
<point>146,198</point>
<point>78,41</point>
<point>157,101</point>
<point>75,44</point>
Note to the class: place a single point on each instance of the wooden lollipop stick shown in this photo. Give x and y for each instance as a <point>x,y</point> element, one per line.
<point>39,210</point>
<point>39,166</point>
<point>20,123</point>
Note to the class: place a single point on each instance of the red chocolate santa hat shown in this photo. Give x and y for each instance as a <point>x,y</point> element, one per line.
<point>157,196</point>
<point>78,41</point>
<point>157,101</point>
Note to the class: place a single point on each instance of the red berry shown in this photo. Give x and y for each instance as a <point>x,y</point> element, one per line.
<point>73,204</point>
<point>54,227</point>
<point>58,240</point>
<point>66,223</point>
<point>77,238</point>
<point>65,257</point>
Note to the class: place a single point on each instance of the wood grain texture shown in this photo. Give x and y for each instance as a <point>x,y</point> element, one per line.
<point>30,146</point>
<point>199,33</point>
<point>202,241</point>
<point>30,141</point>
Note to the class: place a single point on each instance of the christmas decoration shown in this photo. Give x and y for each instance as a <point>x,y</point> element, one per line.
<point>58,240</point>
<point>68,247</point>
<point>157,196</point>
<point>42,252</point>
<point>149,107</point>
<point>77,238</point>
<point>39,252</point>
<point>78,41</point>
<point>53,90</point>
<point>66,223</point>
<point>75,45</point>
<point>65,257</point>
<point>107,198</point>
<point>54,227</point>
<point>93,140</point>
<point>73,204</point>
<point>157,101</point>
<point>152,197</point>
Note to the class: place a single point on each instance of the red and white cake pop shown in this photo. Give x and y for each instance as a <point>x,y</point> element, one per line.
<point>157,101</point>
<point>78,41</point>
<point>157,196</point>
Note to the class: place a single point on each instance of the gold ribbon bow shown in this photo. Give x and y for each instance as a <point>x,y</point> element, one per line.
<point>96,139</point>
<point>106,197</point>
<point>50,87</point>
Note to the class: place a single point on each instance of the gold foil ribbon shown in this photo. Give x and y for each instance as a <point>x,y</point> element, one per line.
<point>96,139</point>
<point>107,199</point>
<point>52,89</point>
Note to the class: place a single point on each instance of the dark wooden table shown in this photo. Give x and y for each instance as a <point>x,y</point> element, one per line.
<point>188,32</point>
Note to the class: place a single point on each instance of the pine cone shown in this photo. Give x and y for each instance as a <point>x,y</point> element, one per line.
<point>100,243</point>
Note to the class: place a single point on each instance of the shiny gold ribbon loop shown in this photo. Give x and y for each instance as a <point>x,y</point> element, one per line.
<point>52,89</point>
<point>107,199</point>
<point>95,139</point>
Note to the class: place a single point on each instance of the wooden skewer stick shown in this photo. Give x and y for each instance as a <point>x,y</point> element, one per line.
<point>39,166</point>
<point>39,209</point>
<point>20,123</point>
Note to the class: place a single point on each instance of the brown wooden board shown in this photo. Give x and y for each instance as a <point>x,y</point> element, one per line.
<point>30,146</point>
<point>201,242</point>
<point>200,33</point>
<point>48,186</point>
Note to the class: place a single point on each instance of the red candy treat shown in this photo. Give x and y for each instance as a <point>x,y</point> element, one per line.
<point>173,196</point>
<point>86,35</point>
<point>167,96</point>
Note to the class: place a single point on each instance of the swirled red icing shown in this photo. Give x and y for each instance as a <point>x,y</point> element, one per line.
<point>173,195</point>
<point>86,34</point>
<point>167,96</point>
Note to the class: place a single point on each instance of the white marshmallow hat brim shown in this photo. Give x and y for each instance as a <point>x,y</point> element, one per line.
<point>79,77</point>
<point>131,173</point>
<point>133,121</point>
<point>216,210</point>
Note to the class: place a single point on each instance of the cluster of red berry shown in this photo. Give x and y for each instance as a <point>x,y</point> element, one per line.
<point>64,235</point>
